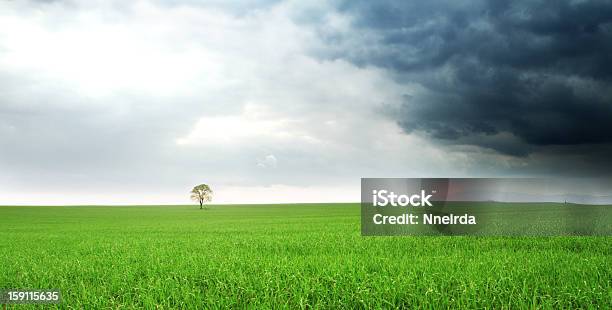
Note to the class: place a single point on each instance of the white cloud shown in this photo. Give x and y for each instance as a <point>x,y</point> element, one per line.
<point>252,123</point>
<point>269,161</point>
<point>146,98</point>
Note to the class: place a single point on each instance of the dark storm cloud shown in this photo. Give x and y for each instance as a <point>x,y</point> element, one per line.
<point>510,76</point>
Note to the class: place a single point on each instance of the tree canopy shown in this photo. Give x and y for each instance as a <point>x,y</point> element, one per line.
<point>201,194</point>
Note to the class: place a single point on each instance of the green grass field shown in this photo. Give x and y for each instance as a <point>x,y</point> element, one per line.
<point>286,256</point>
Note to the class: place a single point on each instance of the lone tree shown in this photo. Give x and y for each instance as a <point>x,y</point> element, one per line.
<point>201,193</point>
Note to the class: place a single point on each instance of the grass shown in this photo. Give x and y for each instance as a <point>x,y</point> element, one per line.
<point>286,256</point>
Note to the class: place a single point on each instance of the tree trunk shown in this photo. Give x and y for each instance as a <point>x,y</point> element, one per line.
<point>201,203</point>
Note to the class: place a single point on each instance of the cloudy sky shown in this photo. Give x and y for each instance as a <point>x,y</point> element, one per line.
<point>287,101</point>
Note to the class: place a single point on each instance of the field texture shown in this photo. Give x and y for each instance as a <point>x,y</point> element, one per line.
<point>286,256</point>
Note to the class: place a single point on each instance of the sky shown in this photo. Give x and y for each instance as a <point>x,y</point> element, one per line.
<point>135,102</point>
